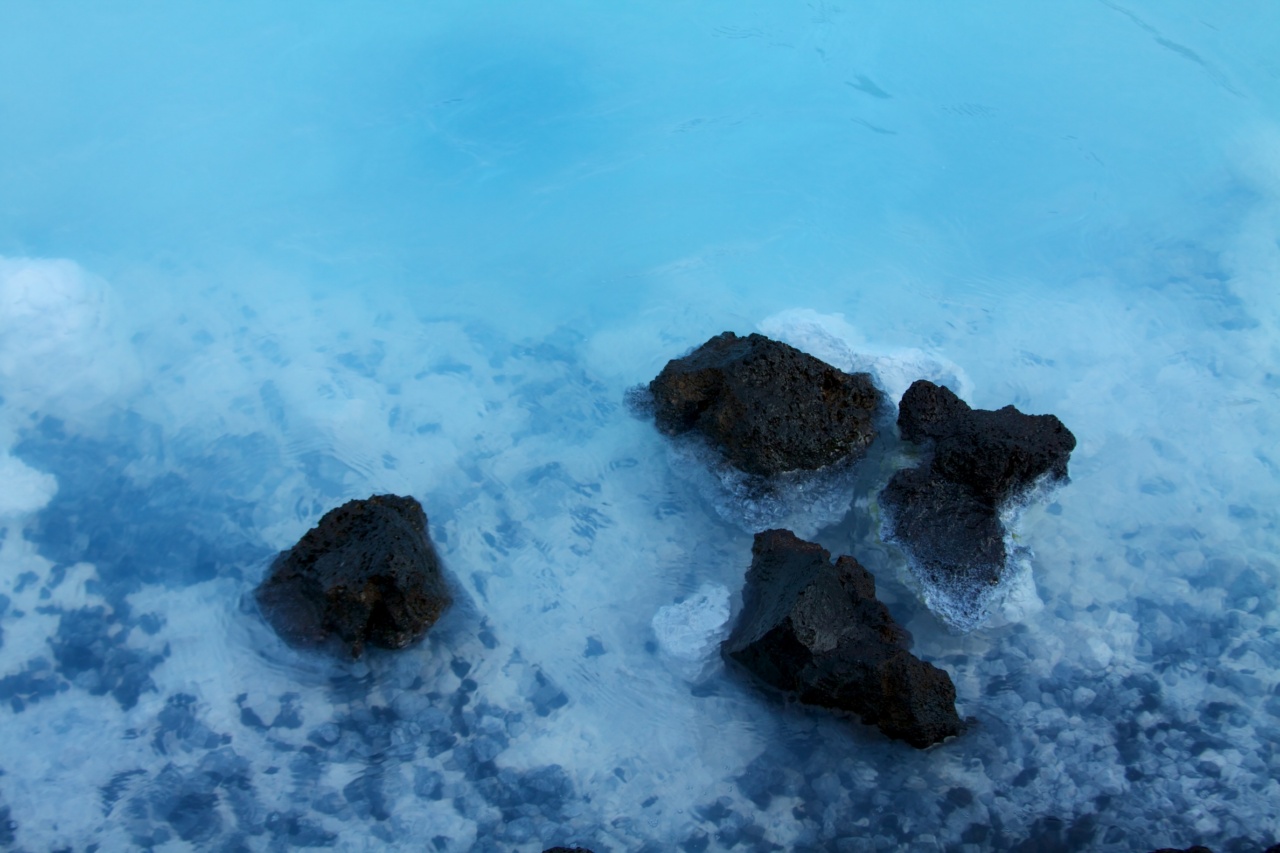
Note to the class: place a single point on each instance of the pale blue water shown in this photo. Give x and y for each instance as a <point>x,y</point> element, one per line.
<point>258,259</point>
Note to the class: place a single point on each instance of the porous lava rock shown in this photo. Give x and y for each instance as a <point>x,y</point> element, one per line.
<point>992,454</point>
<point>367,574</point>
<point>946,512</point>
<point>766,406</point>
<point>944,527</point>
<point>816,631</point>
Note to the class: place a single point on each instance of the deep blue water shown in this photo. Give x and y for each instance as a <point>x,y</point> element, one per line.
<point>259,259</point>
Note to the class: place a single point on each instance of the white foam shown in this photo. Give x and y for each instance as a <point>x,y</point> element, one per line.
<point>801,501</point>
<point>832,339</point>
<point>964,604</point>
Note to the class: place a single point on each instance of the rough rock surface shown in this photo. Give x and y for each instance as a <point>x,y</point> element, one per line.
<point>817,631</point>
<point>992,454</point>
<point>944,527</point>
<point>946,512</point>
<point>366,574</point>
<point>767,406</point>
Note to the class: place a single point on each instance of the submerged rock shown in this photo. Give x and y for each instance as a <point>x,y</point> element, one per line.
<point>367,573</point>
<point>766,406</point>
<point>817,631</point>
<point>946,513</point>
<point>944,527</point>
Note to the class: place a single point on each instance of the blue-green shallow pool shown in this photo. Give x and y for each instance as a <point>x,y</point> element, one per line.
<point>259,259</point>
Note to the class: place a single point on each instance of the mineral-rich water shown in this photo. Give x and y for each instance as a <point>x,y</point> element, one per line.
<point>262,258</point>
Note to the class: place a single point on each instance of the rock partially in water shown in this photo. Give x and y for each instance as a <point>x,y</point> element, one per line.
<point>817,631</point>
<point>948,513</point>
<point>944,526</point>
<point>766,406</point>
<point>366,574</point>
<point>995,455</point>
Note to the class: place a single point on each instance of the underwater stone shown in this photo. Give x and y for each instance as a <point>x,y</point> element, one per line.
<point>817,631</point>
<point>35,682</point>
<point>91,650</point>
<point>766,406</point>
<point>295,830</point>
<point>366,574</point>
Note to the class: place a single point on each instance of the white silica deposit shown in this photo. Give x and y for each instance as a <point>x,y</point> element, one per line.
<point>691,630</point>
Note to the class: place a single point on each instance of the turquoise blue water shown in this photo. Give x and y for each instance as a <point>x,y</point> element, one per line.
<point>260,259</point>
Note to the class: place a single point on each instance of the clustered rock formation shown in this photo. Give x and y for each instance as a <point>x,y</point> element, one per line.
<point>816,631</point>
<point>366,574</point>
<point>946,512</point>
<point>767,407</point>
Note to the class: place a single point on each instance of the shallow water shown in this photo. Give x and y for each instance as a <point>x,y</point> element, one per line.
<point>259,259</point>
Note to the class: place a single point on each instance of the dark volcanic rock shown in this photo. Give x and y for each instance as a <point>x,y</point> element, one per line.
<point>817,631</point>
<point>994,455</point>
<point>946,512</point>
<point>367,573</point>
<point>766,406</point>
<point>945,527</point>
